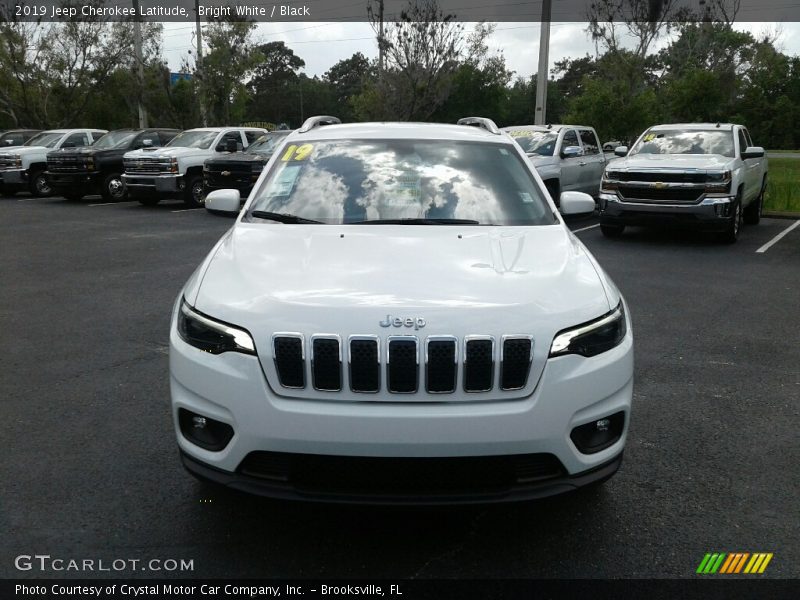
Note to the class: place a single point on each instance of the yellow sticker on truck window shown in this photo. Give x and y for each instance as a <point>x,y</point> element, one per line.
<point>295,152</point>
<point>649,137</point>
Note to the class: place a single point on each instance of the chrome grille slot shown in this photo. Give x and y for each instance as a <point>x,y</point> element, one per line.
<point>326,363</point>
<point>289,359</point>
<point>365,365</point>
<point>441,362</point>
<point>478,363</point>
<point>402,363</point>
<point>515,358</point>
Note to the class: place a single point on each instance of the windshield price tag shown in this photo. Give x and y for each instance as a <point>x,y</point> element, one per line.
<point>294,152</point>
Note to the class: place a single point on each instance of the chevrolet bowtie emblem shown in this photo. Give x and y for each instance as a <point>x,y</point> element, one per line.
<point>225,173</point>
<point>659,185</point>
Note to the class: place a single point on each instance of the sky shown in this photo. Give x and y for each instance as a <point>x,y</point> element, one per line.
<point>321,45</point>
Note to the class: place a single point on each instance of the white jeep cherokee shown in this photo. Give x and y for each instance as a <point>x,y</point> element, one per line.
<point>399,314</point>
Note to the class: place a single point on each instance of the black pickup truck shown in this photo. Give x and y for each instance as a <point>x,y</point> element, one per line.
<point>240,170</point>
<point>76,172</point>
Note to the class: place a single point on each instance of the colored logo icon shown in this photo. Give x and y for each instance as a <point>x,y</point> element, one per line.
<point>734,563</point>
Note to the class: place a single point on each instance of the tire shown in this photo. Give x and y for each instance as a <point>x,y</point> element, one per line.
<point>731,233</point>
<point>553,188</point>
<point>193,193</point>
<point>752,214</point>
<point>612,231</point>
<point>38,185</point>
<point>113,189</point>
<point>148,200</point>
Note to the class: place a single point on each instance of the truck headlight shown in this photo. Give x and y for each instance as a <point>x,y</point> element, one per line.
<point>212,336</point>
<point>610,181</point>
<point>592,338</point>
<point>17,160</point>
<point>718,182</point>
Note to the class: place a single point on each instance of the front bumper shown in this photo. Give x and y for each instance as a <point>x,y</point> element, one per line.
<point>13,177</point>
<point>166,185</point>
<point>72,181</point>
<point>231,388</point>
<point>712,213</point>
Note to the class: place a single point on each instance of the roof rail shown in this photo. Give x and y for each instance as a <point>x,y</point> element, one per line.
<point>318,121</point>
<point>482,122</point>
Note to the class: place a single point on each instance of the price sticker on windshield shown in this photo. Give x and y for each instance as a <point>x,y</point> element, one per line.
<point>649,137</point>
<point>296,153</point>
<point>519,133</point>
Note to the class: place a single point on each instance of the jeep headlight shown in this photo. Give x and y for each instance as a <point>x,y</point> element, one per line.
<point>592,338</point>
<point>210,335</point>
<point>718,182</point>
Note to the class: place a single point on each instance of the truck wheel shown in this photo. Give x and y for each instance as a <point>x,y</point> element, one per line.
<point>38,185</point>
<point>193,193</point>
<point>113,189</point>
<point>612,231</point>
<point>752,214</point>
<point>731,233</point>
<point>148,200</point>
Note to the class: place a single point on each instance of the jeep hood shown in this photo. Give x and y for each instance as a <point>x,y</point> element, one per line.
<point>672,161</point>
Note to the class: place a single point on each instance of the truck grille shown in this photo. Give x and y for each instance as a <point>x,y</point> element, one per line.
<point>147,165</point>
<point>689,195</point>
<point>665,177</point>
<point>6,162</point>
<point>65,164</point>
<point>407,361</point>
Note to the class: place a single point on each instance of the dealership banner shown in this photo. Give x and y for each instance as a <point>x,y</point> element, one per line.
<point>460,589</point>
<point>395,10</point>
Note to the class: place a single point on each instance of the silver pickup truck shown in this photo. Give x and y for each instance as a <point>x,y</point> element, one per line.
<point>568,158</point>
<point>706,175</point>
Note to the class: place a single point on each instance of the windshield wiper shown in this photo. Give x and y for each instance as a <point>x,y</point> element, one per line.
<point>418,221</point>
<point>283,218</point>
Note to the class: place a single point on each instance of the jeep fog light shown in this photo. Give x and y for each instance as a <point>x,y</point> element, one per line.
<point>205,432</point>
<point>598,435</point>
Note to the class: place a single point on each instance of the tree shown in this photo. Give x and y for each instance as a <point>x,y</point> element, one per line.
<point>274,84</point>
<point>347,79</point>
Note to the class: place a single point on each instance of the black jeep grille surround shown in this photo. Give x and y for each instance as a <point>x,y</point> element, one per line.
<point>436,360</point>
<point>316,473</point>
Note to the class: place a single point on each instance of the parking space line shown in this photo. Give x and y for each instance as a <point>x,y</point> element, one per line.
<point>777,238</point>
<point>110,203</point>
<point>585,228</point>
<point>188,209</point>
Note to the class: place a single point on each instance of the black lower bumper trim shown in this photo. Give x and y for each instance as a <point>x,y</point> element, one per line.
<point>516,493</point>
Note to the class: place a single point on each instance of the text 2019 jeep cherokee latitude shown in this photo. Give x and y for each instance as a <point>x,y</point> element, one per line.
<point>399,314</point>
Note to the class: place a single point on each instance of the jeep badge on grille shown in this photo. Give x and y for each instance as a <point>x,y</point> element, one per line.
<point>415,322</point>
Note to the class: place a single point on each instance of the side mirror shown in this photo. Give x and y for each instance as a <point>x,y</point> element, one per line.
<point>575,203</point>
<point>753,152</point>
<point>571,152</point>
<point>621,151</point>
<point>224,202</point>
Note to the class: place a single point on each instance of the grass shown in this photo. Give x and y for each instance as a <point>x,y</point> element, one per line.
<point>783,185</point>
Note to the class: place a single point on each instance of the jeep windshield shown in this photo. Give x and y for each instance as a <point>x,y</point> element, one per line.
<point>193,139</point>
<point>415,182</point>
<point>541,143</point>
<point>685,141</point>
<point>48,139</point>
<point>267,143</point>
<point>115,139</point>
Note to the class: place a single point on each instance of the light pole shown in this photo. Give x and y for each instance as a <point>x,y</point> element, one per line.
<point>541,77</point>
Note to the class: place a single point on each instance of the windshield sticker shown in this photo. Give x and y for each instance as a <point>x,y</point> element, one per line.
<point>525,197</point>
<point>294,152</point>
<point>519,133</point>
<point>283,184</point>
<point>649,137</point>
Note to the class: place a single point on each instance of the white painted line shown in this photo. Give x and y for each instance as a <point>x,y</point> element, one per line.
<point>110,203</point>
<point>585,228</point>
<point>188,209</point>
<point>777,238</point>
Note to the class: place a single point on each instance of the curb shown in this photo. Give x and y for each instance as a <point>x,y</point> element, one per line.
<point>781,215</point>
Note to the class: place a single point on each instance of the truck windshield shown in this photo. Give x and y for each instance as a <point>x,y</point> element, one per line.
<point>48,139</point>
<point>401,180</point>
<point>541,143</point>
<point>682,141</point>
<point>115,139</point>
<point>267,143</point>
<point>194,139</point>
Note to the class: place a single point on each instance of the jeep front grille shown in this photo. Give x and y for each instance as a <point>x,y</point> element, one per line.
<point>409,362</point>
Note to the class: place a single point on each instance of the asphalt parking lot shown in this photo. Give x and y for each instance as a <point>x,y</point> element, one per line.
<point>91,468</point>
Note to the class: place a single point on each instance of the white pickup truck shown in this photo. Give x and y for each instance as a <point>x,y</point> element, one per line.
<point>176,170</point>
<point>23,167</point>
<point>568,158</point>
<point>706,175</point>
